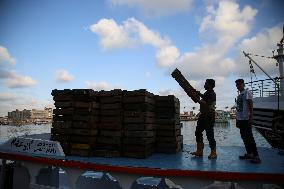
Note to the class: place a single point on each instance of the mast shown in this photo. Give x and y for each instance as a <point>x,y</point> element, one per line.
<point>280,59</point>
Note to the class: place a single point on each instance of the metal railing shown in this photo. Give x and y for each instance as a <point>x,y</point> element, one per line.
<point>266,87</point>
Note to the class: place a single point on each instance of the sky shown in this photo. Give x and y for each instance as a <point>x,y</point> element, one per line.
<point>132,44</point>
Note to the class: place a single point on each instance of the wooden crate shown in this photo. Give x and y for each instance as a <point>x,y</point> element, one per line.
<point>83,139</point>
<point>115,112</point>
<point>138,141</point>
<point>63,111</point>
<point>81,146</point>
<point>60,131</point>
<point>68,97</point>
<point>167,126</point>
<point>168,133</point>
<point>111,119</point>
<point>167,121</point>
<point>109,140</point>
<point>139,126</point>
<point>112,106</point>
<point>111,126</point>
<point>83,132</point>
<point>63,104</point>
<point>107,153</point>
<point>56,92</point>
<point>111,133</point>
<point>80,152</point>
<point>62,124</point>
<point>139,106</point>
<point>59,137</point>
<point>104,146</point>
<point>141,134</point>
<point>85,125</point>
<point>62,118</point>
<point>110,99</point>
<point>86,118</point>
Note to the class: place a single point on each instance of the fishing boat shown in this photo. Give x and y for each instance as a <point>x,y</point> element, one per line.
<point>36,162</point>
<point>268,101</point>
<point>222,117</point>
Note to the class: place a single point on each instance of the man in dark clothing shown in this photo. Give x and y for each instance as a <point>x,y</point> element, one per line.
<point>206,119</point>
<point>244,121</point>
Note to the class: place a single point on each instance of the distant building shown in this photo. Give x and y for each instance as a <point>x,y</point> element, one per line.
<point>45,114</point>
<point>27,116</point>
<point>18,115</point>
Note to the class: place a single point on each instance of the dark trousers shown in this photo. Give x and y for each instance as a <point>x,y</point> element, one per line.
<point>247,136</point>
<point>206,123</point>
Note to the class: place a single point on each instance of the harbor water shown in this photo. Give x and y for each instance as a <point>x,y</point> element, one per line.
<point>225,134</point>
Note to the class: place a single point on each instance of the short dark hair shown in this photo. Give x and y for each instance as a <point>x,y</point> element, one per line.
<point>211,82</point>
<point>240,81</point>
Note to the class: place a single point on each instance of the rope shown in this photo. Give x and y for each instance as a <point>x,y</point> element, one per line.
<point>260,56</point>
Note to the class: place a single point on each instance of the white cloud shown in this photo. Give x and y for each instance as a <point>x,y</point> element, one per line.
<point>102,85</point>
<point>7,96</point>
<point>133,32</point>
<point>228,20</point>
<point>20,81</point>
<point>13,80</point>
<point>64,76</point>
<point>112,35</point>
<point>263,43</point>
<point>22,102</point>
<point>5,56</point>
<point>226,24</point>
<point>155,7</point>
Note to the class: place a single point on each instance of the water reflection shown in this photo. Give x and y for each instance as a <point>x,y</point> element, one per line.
<point>225,134</point>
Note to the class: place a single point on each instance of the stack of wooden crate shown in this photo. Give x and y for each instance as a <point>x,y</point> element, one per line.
<point>111,125</point>
<point>168,132</point>
<point>139,123</point>
<point>76,120</point>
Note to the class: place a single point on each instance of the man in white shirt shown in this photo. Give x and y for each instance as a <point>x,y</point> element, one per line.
<point>244,121</point>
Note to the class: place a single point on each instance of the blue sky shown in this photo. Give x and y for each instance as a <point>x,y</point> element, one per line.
<point>130,44</point>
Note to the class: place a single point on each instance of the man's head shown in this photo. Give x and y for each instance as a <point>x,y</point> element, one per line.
<point>240,84</point>
<point>209,84</point>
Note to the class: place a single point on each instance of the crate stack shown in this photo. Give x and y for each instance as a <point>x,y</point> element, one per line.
<point>76,120</point>
<point>139,123</point>
<point>111,125</point>
<point>168,132</point>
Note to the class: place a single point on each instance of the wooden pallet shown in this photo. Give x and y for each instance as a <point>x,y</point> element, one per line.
<point>138,140</point>
<point>85,125</point>
<point>111,133</point>
<point>86,118</point>
<point>139,107</point>
<point>141,134</point>
<point>168,133</point>
<point>167,126</point>
<point>167,121</point>
<point>83,139</point>
<point>112,106</point>
<point>115,112</point>
<point>80,152</point>
<point>83,132</point>
<point>139,126</point>
<point>111,126</point>
<point>107,153</point>
<point>109,140</point>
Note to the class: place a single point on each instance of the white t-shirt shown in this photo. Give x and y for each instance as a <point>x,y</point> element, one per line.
<point>242,105</point>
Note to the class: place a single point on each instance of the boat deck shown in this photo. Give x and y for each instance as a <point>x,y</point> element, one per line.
<point>182,163</point>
